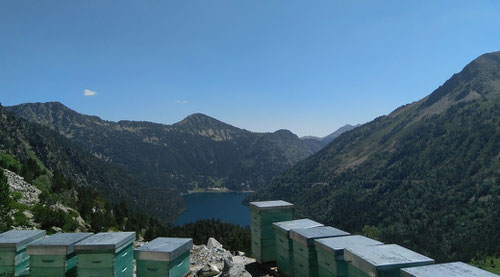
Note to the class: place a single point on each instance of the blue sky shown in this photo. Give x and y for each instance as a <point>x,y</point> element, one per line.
<point>262,65</point>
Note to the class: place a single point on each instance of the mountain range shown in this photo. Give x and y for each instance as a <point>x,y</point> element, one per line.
<point>195,153</point>
<point>426,176</point>
<point>198,153</point>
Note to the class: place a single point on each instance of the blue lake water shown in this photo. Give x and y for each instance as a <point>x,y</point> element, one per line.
<point>224,205</point>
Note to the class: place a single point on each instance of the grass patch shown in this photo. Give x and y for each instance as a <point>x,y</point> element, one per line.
<point>490,264</point>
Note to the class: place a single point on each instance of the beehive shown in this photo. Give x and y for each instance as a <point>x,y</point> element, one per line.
<point>263,215</point>
<point>381,260</point>
<point>331,262</point>
<point>446,270</point>
<point>305,260</point>
<point>14,261</point>
<point>167,257</point>
<point>54,256</point>
<point>284,245</point>
<point>106,255</point>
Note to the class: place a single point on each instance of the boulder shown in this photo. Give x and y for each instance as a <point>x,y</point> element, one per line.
<point>233,269</point>
<point>209,270</point>
<point>213,244</point>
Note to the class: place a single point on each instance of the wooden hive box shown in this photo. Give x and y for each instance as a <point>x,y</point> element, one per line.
<point>305,258</point>
<point>284,245</point>
<point>263,215</point>
<point>330,251</point>
<point>55,256</point>
<point>446,270</point>
<point>164,257</point>
<point>14,261</point>
<point>106,255</point>
<point>382,260</point>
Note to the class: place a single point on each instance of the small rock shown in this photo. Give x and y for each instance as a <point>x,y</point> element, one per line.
<point>208,270</point>
<point>56,229</point>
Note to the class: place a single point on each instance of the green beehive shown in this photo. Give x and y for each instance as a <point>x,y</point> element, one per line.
<point>446,270</point>
<point>164,257</point>
<point>381,260</point>
<point>331,262</point>
<point>284,245</point>
<point>305,258</point>
<point>263,215</point>
<point>55,256</point>
<point>106,255</point>
<point>14,261</point>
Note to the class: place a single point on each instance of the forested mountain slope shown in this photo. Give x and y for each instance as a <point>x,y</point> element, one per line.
<point>426,176</point>
<point>33,142</point>
<point>198,152</point>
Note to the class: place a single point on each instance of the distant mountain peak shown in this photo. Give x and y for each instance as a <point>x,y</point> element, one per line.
<point>204,125</point>
<point>198,117</point>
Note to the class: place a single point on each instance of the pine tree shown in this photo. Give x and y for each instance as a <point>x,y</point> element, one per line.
<point>5,220</point>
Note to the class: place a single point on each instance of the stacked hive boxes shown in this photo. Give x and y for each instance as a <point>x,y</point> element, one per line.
<point>14,261</point>
<point>106,255</point>
<point>382,260</point>
<point>331,262</point>
<point>263,215</point>
<point>305,260</point>
<point>55,256</point>
<point>446,270</point>
<point>167,257</point>
<point>284,245</point>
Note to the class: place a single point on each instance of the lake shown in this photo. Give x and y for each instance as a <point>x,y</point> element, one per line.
<point>224,205</point>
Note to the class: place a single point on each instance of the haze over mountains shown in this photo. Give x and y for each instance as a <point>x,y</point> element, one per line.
<point>329,138</point>
<point>426,176</point>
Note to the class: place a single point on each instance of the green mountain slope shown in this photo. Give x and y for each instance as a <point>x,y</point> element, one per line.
<point>426,176</point>
<point>198,152</point>
<point>26,141</point>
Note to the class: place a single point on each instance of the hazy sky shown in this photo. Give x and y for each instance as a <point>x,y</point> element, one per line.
<point>307,66</point>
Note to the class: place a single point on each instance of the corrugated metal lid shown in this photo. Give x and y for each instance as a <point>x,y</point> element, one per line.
<point>297,224</point>
<point>336,245</point>
<point>307,236</point>
<point>271,205</point>
<point>58,244</point>
<point>105,242</point>
<point>17,238</point>
<point>163,249</point>
<point>383,257</point>
<point>457,269</point>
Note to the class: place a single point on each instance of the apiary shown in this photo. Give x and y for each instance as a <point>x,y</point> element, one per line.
<point>106,255</point>
<point>14,261</point>
<point>331,262</point>
<point>458,269</point>
<point>381,260</point>
<point>305,260</point>
<point>284,245</point>
<point>167,257</point>
<point>55,256</point>
<point>262,216</point>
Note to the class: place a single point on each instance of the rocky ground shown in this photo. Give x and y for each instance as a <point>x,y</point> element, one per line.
<point>29,195</point>
<point>212,260</point>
